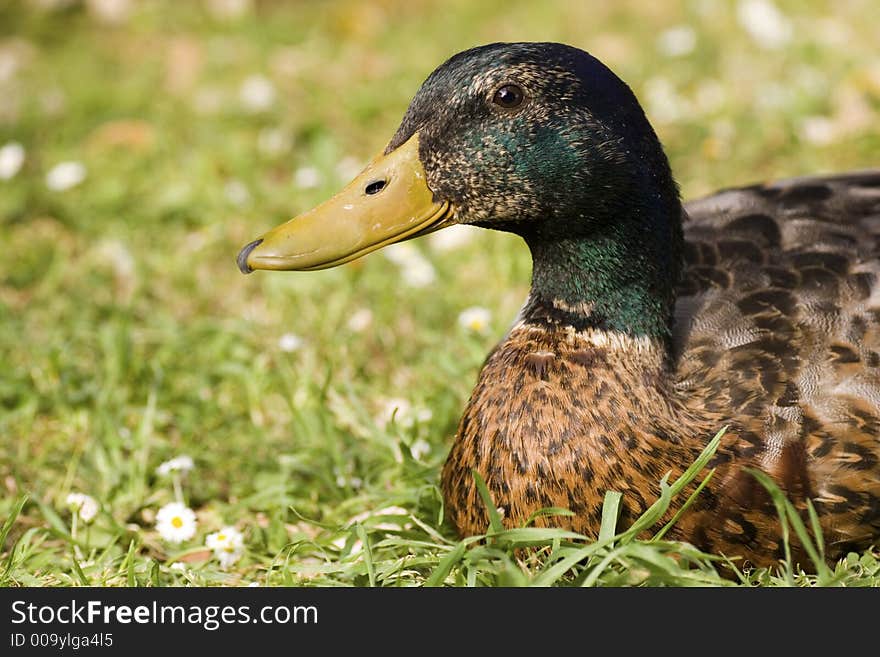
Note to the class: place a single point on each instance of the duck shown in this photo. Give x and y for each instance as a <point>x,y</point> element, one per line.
<point>651,323</point>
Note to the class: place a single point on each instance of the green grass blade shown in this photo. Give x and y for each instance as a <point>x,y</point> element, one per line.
<point>817,530</point>
<point>599,568</point>
<point>548,511</point>
<point>4,532</point>
<point>807,541</point>
<point>779,501</point>
<point>521,536</point>
<point>684,507</point>
<point>445,565</point>
<point>78,571</point>
<point>651,515</point>
<point>553,573</point>
<point>655,560</point>
<point>368,553</point>
<point>57,525</point>
<point>793,517</point>
<point>10,520</point>
<point>668,491</point>
<point>131,578</point>
<point>430,531</point>
<point>495,524</point>
<point>610,514</point>
<point>700,463</point>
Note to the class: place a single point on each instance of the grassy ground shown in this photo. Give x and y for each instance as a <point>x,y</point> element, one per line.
<point>128,337</point>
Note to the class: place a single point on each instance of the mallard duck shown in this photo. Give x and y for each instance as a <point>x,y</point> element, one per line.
<point>650,324</point>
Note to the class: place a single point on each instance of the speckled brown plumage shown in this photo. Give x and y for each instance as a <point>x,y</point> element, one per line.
<point>777,335</point>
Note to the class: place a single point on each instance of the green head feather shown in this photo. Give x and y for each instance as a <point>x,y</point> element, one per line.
<point>575,169</point>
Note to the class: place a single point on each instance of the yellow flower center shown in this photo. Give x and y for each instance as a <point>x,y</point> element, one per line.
<point>177,522</point>
<point>221,537</point>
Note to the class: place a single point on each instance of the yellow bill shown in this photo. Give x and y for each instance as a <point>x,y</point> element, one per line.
<point>389,201</point>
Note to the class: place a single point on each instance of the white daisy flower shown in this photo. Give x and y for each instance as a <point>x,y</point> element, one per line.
<point>229,9</point>
<point>475,319</point>
<point>348,167</point>
<point>345,479</point>
<point>819,130</point>
<point>666,105</point>
<point>347,482</point>
<point>11,160</point>
<point>236,192</point>
<point>65,175</point>
<point>307,177</point>
<point>396,409</point>
<point>227,544</point>
<point>273,141</point>
<point>112,12</point>
<point>176,522</point>
<point>677,41</point>
<point>227,537</point>
<point>257,93</point>
<point>418,273</point>
<point>360,320</point>
<point>420,448</point>
<point>182,463</point>
<point>402,413</point>
<point>710,96</point>
<point>289,342</point>
<point>451,238</point>
<point>415,269</point>
<point>85,505</point>
<point>763,21</point>
<point>116,254</point>
<point>402,253</point>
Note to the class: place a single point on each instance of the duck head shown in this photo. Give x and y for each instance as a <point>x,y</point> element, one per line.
<point>539,139</point>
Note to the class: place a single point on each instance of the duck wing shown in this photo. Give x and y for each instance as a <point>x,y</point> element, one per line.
<point>777,328</point>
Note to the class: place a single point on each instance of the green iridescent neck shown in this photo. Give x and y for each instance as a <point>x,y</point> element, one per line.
<point>620,277</point>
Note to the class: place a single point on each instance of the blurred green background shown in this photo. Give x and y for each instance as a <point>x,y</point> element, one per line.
<point>144,142</point>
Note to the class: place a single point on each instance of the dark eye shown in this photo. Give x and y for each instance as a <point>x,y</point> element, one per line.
<point>508,96</point>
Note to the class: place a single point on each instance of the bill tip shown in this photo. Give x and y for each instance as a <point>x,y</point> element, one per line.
<point>243,256</point>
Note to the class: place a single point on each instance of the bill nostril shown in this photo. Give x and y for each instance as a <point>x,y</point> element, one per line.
<point>375,187</point>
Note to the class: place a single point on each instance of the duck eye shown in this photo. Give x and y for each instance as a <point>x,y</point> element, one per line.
<point>508,96</point>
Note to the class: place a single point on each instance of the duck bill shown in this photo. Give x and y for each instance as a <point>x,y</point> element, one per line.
<point>388,202</point>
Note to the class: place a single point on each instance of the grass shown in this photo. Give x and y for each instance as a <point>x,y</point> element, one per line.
<point>128,337</point>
